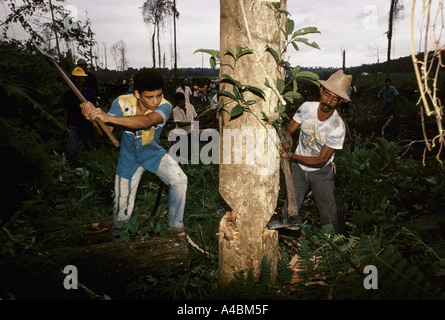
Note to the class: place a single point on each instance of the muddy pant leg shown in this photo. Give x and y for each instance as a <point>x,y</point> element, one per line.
<point>323,187</point>
<point>387,108</point>
<point>172,175</point>
<point>125,195</point>
<point>86,135</point>
<point>301,184</point>
<point>71,143</point>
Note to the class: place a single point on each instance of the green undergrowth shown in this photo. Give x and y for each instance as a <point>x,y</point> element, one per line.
<point>392,203</point>
<point>393,211</point>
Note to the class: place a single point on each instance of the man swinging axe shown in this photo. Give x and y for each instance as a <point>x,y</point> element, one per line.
<point>142,116</point>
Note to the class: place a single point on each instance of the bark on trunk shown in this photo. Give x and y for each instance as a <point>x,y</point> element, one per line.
<point>95,232</point>
<point>111,263</point>
<point>390,31</point>
<point>107,266</point>
<point>250,188</point>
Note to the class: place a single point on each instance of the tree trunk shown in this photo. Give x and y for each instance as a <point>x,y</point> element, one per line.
<point>250,188</point>
<point>111,265</point>
<point>176,51</point>
<point>159,45</point>
<point>343,55</point>
<point>390,28</point>
<point>153,46</point>
<point>95,232</point>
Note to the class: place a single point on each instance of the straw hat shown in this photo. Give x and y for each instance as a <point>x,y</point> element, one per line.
<point>78,72</point>
<point>338,83</point>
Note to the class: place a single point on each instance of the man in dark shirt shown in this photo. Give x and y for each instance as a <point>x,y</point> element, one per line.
<point>389,94</point>
<point>91,81</point>
<point>78,127</point>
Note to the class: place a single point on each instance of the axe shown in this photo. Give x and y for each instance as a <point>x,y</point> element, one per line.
<point>78,94</point>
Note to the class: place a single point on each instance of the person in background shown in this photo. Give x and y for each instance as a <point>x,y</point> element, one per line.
<point>183,115</point>
<point>204,92</point>
<point>91,82</point>
<point>344,107</point>
<point>389,94</point>
<point>195,92</point>
<point>185,90</point>
<point>77,126</point>
<point>214,104</point>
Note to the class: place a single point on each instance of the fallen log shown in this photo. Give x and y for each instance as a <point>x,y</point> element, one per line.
<point>94,232</point>
<point>110,265</point>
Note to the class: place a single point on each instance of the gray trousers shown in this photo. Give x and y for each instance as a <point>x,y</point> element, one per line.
<point>322,184</point>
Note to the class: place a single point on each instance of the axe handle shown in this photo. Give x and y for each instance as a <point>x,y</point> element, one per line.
<point>81,97</point>
<point>292,207</point>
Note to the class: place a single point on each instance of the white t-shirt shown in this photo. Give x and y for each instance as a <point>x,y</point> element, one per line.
<point>314,134</point>
<point>187,93</point>
<point>214,105</point>
<point>186,115</point>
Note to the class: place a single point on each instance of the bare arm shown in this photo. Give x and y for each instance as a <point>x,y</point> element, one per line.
<point>318,162</point>
<point>87,109</point>
<point>290,130</point>
<point>136,122</point>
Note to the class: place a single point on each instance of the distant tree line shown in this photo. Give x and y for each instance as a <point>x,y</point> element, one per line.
<point>400,65</point>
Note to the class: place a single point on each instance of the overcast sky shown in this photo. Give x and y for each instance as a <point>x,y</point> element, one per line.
<point>355,26</point>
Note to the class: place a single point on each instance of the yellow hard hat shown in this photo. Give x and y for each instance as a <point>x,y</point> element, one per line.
<point>78,72</point>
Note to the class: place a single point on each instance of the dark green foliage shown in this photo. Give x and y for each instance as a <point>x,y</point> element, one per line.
<point>393,208</point>
<point>284,272</point>
<point>246,286</point>
<point>391,224</point>
<point>333,268</point>
<point>30,90</point>
<point>29,117</point>
<point>23,15</point>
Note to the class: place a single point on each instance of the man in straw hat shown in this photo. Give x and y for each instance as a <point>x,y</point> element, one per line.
<point>322,131</point>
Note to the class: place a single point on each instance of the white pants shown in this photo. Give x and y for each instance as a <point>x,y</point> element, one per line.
<point>171,174</point>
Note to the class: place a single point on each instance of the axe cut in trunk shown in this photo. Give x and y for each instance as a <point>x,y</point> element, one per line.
<point>78,94</point>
